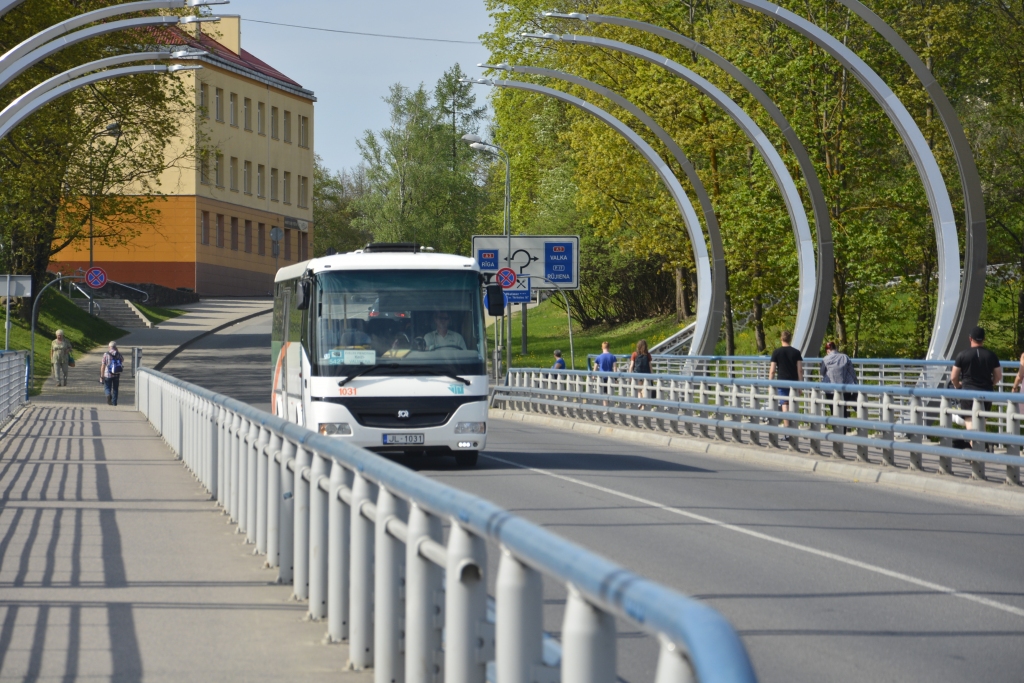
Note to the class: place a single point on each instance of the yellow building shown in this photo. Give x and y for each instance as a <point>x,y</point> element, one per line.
<point>213,234</point>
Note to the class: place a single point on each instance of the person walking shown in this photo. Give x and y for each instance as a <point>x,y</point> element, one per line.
<point>640,363</point>
<point>60,357</point>
<point>559,361</point>
<point>837,368</point>
<point>788,364</point>
<point>604,363</point>
<point>110,372</point>
<point>977,369</point>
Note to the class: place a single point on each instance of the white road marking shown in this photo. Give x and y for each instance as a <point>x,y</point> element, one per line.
<point>899,576</point>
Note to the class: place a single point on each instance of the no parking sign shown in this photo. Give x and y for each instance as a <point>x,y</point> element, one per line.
<point>95,277</point>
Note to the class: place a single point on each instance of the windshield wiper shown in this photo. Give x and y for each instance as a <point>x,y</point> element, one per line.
<point>440,373</point>
<point>366,370</point>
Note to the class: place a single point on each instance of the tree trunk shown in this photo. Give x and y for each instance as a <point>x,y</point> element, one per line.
<point>759,325</point>
<point>730,331</point>
<point>682,295</point>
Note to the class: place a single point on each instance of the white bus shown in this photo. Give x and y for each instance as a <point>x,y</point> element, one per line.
<point>383,347</point>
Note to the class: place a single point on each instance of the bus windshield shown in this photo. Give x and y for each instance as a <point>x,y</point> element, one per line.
<point>413,322</point>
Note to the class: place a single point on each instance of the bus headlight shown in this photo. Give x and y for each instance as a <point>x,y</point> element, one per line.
<point>471,428</point>
<point>335,429</point>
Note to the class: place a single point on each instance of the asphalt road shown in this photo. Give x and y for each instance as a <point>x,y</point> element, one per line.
<point>826,580</point>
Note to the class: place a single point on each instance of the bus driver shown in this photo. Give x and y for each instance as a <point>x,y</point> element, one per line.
<point>443,337</point>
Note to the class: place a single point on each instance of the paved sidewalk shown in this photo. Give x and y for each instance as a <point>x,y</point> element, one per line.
<point>84,385</point>
<point>115,565</point>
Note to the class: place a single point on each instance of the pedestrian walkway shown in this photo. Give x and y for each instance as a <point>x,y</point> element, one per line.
<point>84,387</point>
<point>115,565</point>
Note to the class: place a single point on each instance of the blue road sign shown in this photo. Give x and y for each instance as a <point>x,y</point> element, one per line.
<point>520,292</point>
<point>96,277</point>
<point>487,260</point>
<point>506,278</point>
<point>558,261</point>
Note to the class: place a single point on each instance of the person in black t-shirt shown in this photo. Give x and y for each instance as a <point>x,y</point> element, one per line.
<point>976,368</point>
<point>788,364</point>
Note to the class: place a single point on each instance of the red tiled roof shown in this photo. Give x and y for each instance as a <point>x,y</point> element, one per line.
<point>246,60</point>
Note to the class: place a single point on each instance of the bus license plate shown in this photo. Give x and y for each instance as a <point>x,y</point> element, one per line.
<point>402,439</point>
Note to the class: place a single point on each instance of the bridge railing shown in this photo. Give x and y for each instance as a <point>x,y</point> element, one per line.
<point>882,371</point>
<point>361,538</point>
<point>877,421</point>
<point>13,378</point>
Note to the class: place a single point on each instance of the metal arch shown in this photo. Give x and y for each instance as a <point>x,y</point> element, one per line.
<point>26,98</point>
<point>43,99</point>
<point>794,205</point>
<point>822,305</point>
<point>972,289</point>
<point>719,281</point>
<point>10,71</point>
<point>948,294</point>
<point>7,5</point>
<point>693,228</point>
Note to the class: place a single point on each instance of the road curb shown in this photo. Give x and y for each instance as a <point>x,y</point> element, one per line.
<point>181,347</point>
<point>930,484</point>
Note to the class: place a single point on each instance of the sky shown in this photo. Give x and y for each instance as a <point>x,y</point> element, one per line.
<point>350,74</point>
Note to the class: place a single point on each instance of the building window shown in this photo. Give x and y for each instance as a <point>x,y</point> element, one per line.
<point>218,170</point>
<point>247,177</point>
<point>273,184</point>
<point>234,233</point>
<point>261,239</point>
<point>273,122</point>
<point>303,246</point>
<point>287,126</point>
<point>218,105</point>
<point>247,113</point>
<point>261,172</point>
<point>248,237</point>
<point>233,110</point>
<point>204,99</point>
<point>261,111</point>
<point>287,245</point>
<point>287,198</point>
<point>233,172</point>
<point>204,228</point>
<point>303,191</point>
<point>220,230</point>
<point>304,131</point>
<point>204,168</point>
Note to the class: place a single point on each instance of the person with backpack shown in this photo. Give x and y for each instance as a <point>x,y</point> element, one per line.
<point>111,368</point>
<point>640,363</point>
<point>837,368</point>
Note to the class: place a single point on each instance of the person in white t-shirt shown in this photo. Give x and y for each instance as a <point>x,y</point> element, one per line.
<point>442,337</point>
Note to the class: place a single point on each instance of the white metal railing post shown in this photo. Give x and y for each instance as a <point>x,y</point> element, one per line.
<point>262,485</point>
<point>1012,427</point>
<point>673,665</point>
<point>862,414</point>
<point>233,424</point>
<point>223,458</point>
<point>273,513</point>
<point>588,642</point>
<point>977,425</point>
<point>916,419</point>
<point>300,526</point>
<point>360,601</point>
<point>241,451</point>
<point>388,604</point>
<point>519,604</point>
<point>468,643</point>
<point>251,467</point>
<point>317,539</point>
<point>339,527</point>
<point>286,516</point>
<point>888,453</point>
<point>424,602</point>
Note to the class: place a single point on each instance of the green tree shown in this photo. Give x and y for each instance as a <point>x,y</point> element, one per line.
<point>334,196</point>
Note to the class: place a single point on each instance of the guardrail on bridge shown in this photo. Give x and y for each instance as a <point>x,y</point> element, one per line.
<point>340,523</point>
<point>13,382</point>
<point>888,419</point>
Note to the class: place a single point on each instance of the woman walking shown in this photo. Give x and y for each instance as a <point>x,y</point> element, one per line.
<point>60,356</point>
<point>640,362</point>
<point>110,372</point>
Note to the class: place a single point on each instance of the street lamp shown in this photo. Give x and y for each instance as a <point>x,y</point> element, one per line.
<point>477,143</point>
<point>112,130</point>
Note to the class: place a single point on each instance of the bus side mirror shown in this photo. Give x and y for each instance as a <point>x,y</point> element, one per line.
<point>302,295</point>
<point>495,301</point>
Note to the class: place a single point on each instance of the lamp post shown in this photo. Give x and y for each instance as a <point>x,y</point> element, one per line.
<point>113,130</point>
<point>477,143</point>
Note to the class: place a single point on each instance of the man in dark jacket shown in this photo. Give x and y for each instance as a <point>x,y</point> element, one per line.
<point>978,369</point>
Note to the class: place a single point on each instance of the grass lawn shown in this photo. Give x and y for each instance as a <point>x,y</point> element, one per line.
<point>548,329</point>
<point>56,311</point>
<point>158,315</point>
